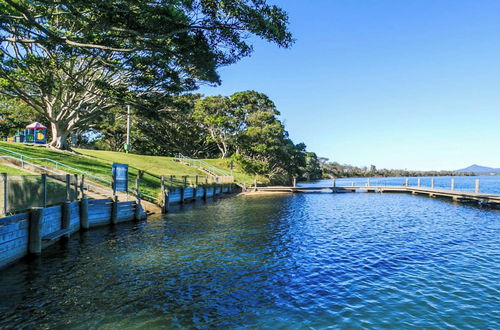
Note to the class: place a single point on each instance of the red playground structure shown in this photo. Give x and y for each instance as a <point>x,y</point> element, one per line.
<point>34,133</point>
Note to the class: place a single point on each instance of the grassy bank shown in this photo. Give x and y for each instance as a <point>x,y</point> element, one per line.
<point>11,170</point>
<point>98,163</point>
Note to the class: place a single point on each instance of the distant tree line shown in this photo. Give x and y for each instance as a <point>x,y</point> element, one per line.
<point>337,170</point>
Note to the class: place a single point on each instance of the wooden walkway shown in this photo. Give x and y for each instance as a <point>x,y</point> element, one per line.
<point>460,196</point>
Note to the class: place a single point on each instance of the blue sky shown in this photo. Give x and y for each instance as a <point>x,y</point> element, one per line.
<point>394,83</point>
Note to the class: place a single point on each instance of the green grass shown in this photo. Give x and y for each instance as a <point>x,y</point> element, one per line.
<point>239,175</point>
<point>98,163</point>
<point>12,171</point>
<point>153,164</point>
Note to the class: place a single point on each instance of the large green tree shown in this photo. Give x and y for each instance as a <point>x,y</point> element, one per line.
<point>160,47</point>
<point>216,116</point>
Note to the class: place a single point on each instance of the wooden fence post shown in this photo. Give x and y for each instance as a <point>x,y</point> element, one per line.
<point>5,194</point>
<point>84,213</point>
<point>452,184</point>
<point>137,182</point>
<point>114,210</point>
<point>195,189</point>
<point>68,187</point>
<point>82,187</point>
<point>76,187</point>
<point>44,190</point>
<point>65,216</point>
<point>477,186</point>
<point>35,230</point>
<point>204,192</point>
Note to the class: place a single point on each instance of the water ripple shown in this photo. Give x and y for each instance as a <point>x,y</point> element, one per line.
<point>299,261</point>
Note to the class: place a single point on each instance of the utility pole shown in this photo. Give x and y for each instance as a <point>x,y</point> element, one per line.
<point>127,144</point>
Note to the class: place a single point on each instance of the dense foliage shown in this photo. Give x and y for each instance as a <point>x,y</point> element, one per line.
<point>74,60</point>
<point>243,128</point>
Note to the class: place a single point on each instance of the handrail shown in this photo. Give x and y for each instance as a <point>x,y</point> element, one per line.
<point>215,171</point>
<point>58,164</point>
<point>45,169</point>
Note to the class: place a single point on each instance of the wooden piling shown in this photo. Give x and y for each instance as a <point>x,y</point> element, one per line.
<point>432,183</point>
<point>182,195</point>
<point>5,194</point>
<point>76,187</point>
<point>195,188</point>
<point>114,210</point>
<point>452,184</point>
<point>65,216</point>
<point>164,196</point>
<point>205,192</point>
<point>166,200</point>
<point>84,213</point>
<point>68,187</point>
<point>477,186</point>
<point>44,190</point>
<point>418,182</point>
<point>138,214</point>
<point>406,182</point>
<point>82,187</point>
<point>35,230</point>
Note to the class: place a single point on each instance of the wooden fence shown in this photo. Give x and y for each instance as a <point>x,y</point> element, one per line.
<point>32,231</point>
<point>186,194</point>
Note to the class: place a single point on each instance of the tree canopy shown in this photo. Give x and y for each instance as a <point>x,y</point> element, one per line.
<point>168,45</point>
<point>73,60</point>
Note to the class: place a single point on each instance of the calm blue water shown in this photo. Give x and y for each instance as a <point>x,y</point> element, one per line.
<point>288,261</point>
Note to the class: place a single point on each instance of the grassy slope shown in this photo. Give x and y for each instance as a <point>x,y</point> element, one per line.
<point>152,164</point>
<point>12,170</point>
<point>164,165</point>
<point>238,173</point>
<point>99,163</point>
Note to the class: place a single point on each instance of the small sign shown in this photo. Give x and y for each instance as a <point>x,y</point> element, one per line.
<point>120,177</point>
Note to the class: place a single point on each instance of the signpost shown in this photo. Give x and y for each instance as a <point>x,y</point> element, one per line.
<point>120,177</point>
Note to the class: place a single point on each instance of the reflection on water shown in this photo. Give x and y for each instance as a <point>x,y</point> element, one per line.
<point>343,260</point>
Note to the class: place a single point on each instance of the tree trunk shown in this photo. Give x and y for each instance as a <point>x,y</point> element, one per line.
<point>59,137</point>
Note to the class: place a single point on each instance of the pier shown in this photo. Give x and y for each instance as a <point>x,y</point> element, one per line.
<point>455,195</point>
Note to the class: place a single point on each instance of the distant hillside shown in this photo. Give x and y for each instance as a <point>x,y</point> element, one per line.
<point>479,169</point>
